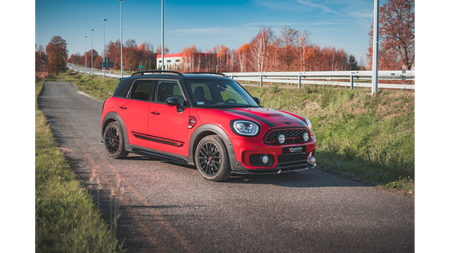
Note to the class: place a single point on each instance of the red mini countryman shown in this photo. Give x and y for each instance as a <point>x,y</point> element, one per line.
<point>207,120</point>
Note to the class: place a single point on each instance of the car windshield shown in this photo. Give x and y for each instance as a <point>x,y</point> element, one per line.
<point>219,93</point>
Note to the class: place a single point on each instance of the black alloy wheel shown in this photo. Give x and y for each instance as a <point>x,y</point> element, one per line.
<point>113,140</point>
<point>211,159</point>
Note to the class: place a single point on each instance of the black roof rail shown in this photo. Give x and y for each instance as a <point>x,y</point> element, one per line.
<point>157,71</point>
<point>208,73</point>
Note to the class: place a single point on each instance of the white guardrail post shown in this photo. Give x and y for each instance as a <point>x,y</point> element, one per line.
<point>261,81</point>
<point>351,82</point>
<point>299,81</point>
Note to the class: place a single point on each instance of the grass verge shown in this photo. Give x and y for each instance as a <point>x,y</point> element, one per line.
<point>67,220</point>
<point>359,136</point>
<point>365,137</point>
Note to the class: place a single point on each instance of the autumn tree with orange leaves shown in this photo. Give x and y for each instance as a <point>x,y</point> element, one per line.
<point>397,36</point>
<point>56,55</point>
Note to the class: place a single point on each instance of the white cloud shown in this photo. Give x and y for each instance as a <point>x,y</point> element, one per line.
<point>324,8</point>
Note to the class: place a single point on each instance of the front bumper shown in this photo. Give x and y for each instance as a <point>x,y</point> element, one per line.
<point>298,167</point>
<point>246,147</point>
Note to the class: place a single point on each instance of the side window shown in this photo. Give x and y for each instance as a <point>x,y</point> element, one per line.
<point>166,89</point>
<point>202,93</point>
<point>141,90</point>
<point>122,89</point>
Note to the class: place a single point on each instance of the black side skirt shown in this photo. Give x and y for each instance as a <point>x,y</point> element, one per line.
<point>159,154</point>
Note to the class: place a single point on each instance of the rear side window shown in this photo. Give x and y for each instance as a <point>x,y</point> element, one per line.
<point>122,89</point>
<point>141,90</point>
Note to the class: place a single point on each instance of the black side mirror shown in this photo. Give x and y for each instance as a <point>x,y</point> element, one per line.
<point>257,100</point>
<point>172,101</point>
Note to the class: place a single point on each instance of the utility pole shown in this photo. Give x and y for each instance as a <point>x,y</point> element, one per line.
<point>85,54</point>
<point>92,52</point>
<point>121,40</point>
<point>376,17</point>
<point>104,47</point>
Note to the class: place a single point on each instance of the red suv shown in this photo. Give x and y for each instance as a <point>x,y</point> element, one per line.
<point>207,120</point>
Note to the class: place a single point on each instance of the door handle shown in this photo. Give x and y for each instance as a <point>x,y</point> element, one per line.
<point>155,113</point>
<point>121,107</point>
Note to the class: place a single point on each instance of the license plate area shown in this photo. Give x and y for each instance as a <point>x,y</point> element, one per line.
<point>294,150</point>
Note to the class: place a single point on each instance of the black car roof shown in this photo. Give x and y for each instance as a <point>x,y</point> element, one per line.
<point>208,76</point>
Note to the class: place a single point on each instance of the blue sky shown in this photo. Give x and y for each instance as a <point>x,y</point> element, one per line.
<point>339,23</point>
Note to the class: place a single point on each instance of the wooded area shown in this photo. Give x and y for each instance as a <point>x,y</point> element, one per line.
<point>290,51</point>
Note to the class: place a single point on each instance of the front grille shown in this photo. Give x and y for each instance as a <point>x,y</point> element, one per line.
<point>291,158</point>
<point>292,136</point>
<point>292,161</point>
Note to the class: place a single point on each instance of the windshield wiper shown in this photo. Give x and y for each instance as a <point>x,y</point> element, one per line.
<point>248,106</point>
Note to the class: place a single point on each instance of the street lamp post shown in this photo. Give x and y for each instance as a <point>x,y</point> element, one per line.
<point>85,54</point>
<point>92,52</point>
<point>162,34</point>
<point>104,47</point>
<point>121,40</point>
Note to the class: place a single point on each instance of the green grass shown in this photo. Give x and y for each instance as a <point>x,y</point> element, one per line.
<point>67,220</point>
<point>368,138</point>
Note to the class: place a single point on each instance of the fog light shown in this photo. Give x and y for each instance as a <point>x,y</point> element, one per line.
<point>305,136</point>
<point>281,138</point>
<point>265,159</point>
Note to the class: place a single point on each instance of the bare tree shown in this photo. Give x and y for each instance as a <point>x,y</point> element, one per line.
<point>258,49</point>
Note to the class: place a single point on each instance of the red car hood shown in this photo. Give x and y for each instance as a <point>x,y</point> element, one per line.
<point>270,117</point>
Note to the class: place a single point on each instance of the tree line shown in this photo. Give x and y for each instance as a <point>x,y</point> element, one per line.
<point>290,51</point>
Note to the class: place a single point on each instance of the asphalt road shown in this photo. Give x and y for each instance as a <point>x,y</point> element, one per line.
<point>171,208</point>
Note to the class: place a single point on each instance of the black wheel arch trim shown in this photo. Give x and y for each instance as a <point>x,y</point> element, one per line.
<point>196,137</point>
<point>113,116</point>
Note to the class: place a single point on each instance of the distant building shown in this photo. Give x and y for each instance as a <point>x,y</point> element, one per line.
<point>190,62</point>
<point>171,61</point>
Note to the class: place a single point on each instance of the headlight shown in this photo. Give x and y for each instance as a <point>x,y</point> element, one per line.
<point>247,128</point>
<point>305,136</point>
<point>309,125</point>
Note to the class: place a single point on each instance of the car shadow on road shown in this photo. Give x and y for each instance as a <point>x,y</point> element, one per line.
<point>299,179</point>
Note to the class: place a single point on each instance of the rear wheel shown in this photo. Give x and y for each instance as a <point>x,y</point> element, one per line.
<point>211,159</point>
<point>114,142</point>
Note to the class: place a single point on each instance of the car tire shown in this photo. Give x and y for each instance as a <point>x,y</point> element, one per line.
<point>114,142</point>
<point>211,159</point>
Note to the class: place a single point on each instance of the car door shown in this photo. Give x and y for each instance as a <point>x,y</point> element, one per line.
<point>169,124</point>
<point>135,111</point>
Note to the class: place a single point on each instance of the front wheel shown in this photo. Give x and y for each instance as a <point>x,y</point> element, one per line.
<point>114,142</point>
<point>211,159</point>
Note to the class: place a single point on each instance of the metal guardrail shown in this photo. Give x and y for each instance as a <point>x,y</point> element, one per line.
<point>313,77</point>
<point>98,73</point>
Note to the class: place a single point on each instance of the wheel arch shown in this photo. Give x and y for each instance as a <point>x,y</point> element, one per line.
<point>111,117</point>
<point>210,129</point>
